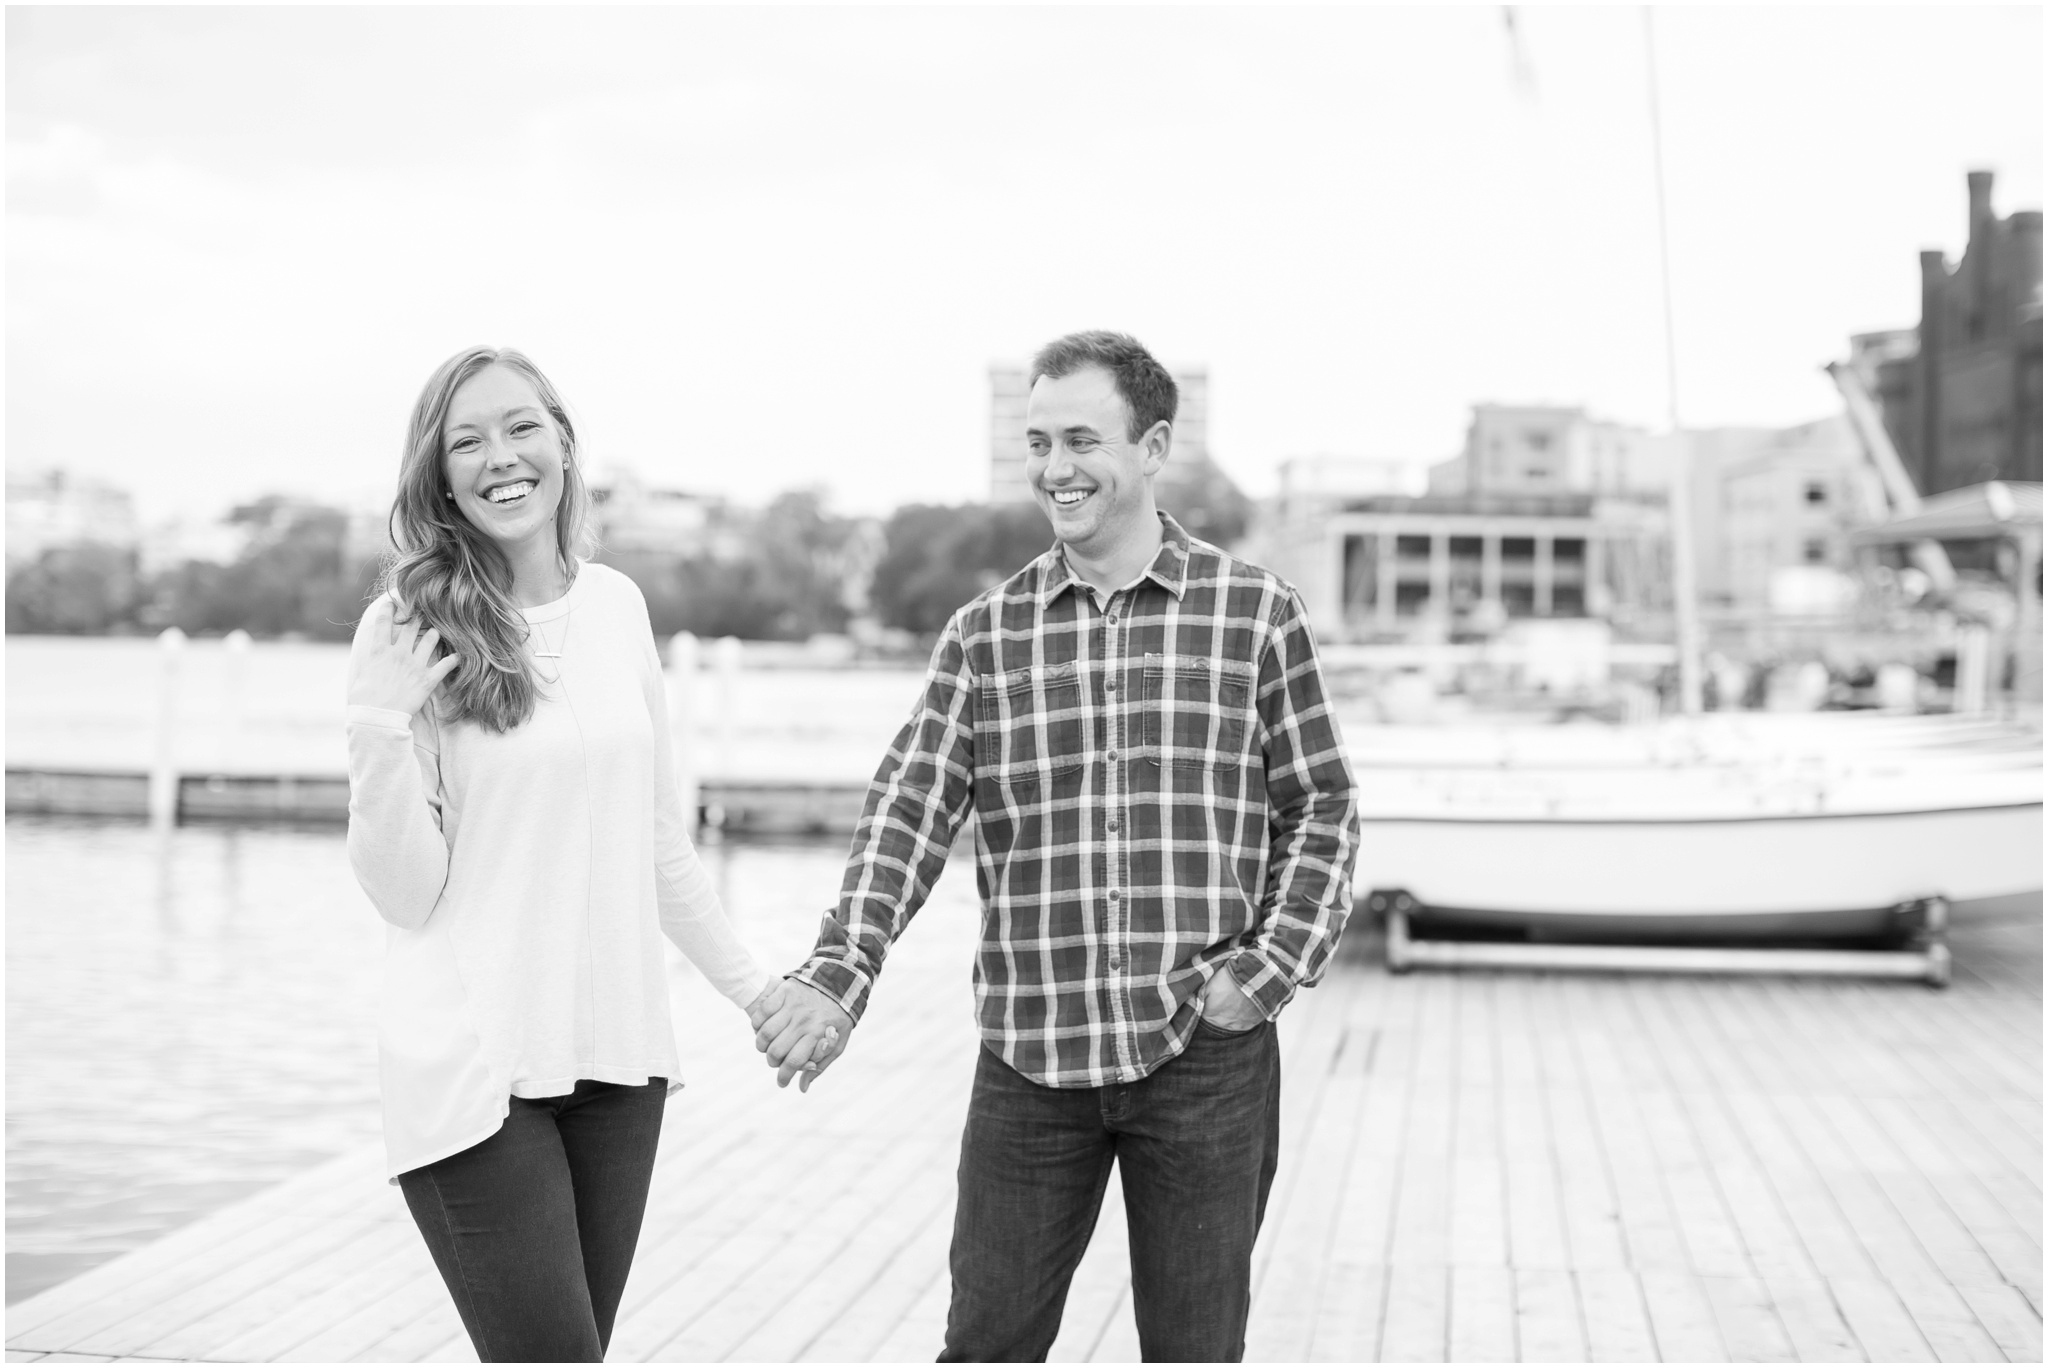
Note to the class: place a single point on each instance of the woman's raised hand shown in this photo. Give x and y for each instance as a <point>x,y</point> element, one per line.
<point>392,664</point>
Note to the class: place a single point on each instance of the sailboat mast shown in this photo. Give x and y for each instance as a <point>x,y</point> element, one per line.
<point>1684,579</point>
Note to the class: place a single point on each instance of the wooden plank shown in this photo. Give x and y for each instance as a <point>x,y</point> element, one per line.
<point>1749,1196</point>
<point>2013,1324</point>
<point>409,1343</point>
<point>2008,1186</point>
<point>921,1334</point>
<point>1417,1320</point>
<point>1478,1200</point>
<point>1748,1320</point>
<point>1825,1234</point>
<point>260,1295</point>
<point>360,1332</point>
<point>1535,1216</point>
<point>1947,1322</point>
<point>831,1261</point>
<point>1681,1317</point>
<point>1482,1315</point>
<point>1713,1246</point>
<point>865,1322</point>
<point>1885,1237</point>
<point>1812,1321</point>
<point>1284,1310</point>
<point>455,1350</point>
<point>1648,1224</point>
<point>753,1265</point>
<point>170,1267</point>
<point>399,1260</point>
<point>1880,1321</point>
<point>166,1308</point>
<point>1547,1320</point>
<point>1423,1194</point>
<point>2007,1139</point>
<point>1354,1306</point>
<point>1944,1239</point>
<point>1590,1209</point>
<point>750,1212</point>
<point>1769,1242</point>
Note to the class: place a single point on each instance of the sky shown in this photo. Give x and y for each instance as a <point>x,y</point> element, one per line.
<point>769,247</point>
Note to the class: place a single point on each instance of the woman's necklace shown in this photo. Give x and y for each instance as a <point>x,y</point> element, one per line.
<point>540,652</point>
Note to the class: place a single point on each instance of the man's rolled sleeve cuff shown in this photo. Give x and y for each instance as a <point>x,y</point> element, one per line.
<point>1262,982</point>
<point>837,980</point>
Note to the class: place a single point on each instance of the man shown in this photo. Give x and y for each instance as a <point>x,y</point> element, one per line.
<point>1166,834</point>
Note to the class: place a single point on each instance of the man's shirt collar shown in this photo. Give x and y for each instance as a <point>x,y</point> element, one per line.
<point>1169,569</point>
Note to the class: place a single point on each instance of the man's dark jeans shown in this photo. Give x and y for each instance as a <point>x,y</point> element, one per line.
<point>1197,1142</point>
<point>534,1229</point>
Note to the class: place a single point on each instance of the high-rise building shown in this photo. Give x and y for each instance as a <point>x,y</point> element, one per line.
<point>1010,393</point>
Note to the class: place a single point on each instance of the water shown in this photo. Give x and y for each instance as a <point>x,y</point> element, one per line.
<point>191,1018</point>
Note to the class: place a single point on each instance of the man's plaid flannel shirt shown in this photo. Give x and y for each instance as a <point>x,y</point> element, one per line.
<point>1161,794</point>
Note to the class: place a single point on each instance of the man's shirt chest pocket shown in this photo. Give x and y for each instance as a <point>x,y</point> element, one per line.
<point>1197,711</point>
<point>1036,724</point>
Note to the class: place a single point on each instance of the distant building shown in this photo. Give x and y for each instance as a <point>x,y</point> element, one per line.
<point>1010,394</point>
<point>1775,500</point>
<point>1550,512</point>
<point>629,515</point>
<point>52,508</point>
<point>1552,449</point>
<point>1545,513</point>
<point>1961,393</point>
<point>1306,481</point>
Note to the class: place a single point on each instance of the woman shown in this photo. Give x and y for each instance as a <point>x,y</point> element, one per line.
<point>513,814</point>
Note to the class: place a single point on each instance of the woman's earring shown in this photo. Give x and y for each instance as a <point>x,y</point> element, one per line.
<point>448,493</point>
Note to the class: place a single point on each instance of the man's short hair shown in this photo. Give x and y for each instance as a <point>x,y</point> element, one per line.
<point>1146,388</point>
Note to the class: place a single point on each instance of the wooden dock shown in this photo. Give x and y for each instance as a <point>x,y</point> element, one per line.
<point>738,806</point>
<point>1482,1166</point>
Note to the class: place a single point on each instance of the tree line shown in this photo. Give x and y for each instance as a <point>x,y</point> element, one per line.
<point>785,572</point>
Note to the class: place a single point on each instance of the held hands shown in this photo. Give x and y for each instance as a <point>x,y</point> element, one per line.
<point>1225,1005</point>
<point>393,665</point>
<point>800,1030</point>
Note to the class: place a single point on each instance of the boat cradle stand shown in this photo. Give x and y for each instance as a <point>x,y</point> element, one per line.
<point>1926,959</point>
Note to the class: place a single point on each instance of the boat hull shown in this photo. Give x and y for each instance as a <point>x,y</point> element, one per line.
<point>1819,874</point>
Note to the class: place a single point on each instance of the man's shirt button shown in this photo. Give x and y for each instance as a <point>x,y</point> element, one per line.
<point>1114,895</point>
<point>1114,824</point>
<point>1112,757</point>
<point>1110,683</point>
<point>1112,619</point>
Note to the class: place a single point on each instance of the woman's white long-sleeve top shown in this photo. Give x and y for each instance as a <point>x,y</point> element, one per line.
<point>527,876</point>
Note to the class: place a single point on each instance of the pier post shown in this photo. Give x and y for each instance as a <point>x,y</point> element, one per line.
<point>233,696</point>
<point>163,769</point>
<point>682,721</point>
<point>727,661</point>
<point>1973,669</point>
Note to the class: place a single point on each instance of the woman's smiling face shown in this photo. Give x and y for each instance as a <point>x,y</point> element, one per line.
<point>503,456</point>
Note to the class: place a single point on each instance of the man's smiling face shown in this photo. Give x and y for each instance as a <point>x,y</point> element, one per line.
<point>1092,480</point>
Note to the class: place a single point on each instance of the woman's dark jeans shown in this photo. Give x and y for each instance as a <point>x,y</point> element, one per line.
<point>533,1230</point>
<point>1197,1142</point>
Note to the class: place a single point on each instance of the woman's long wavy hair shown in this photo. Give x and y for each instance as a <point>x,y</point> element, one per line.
<point>453,577</point>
